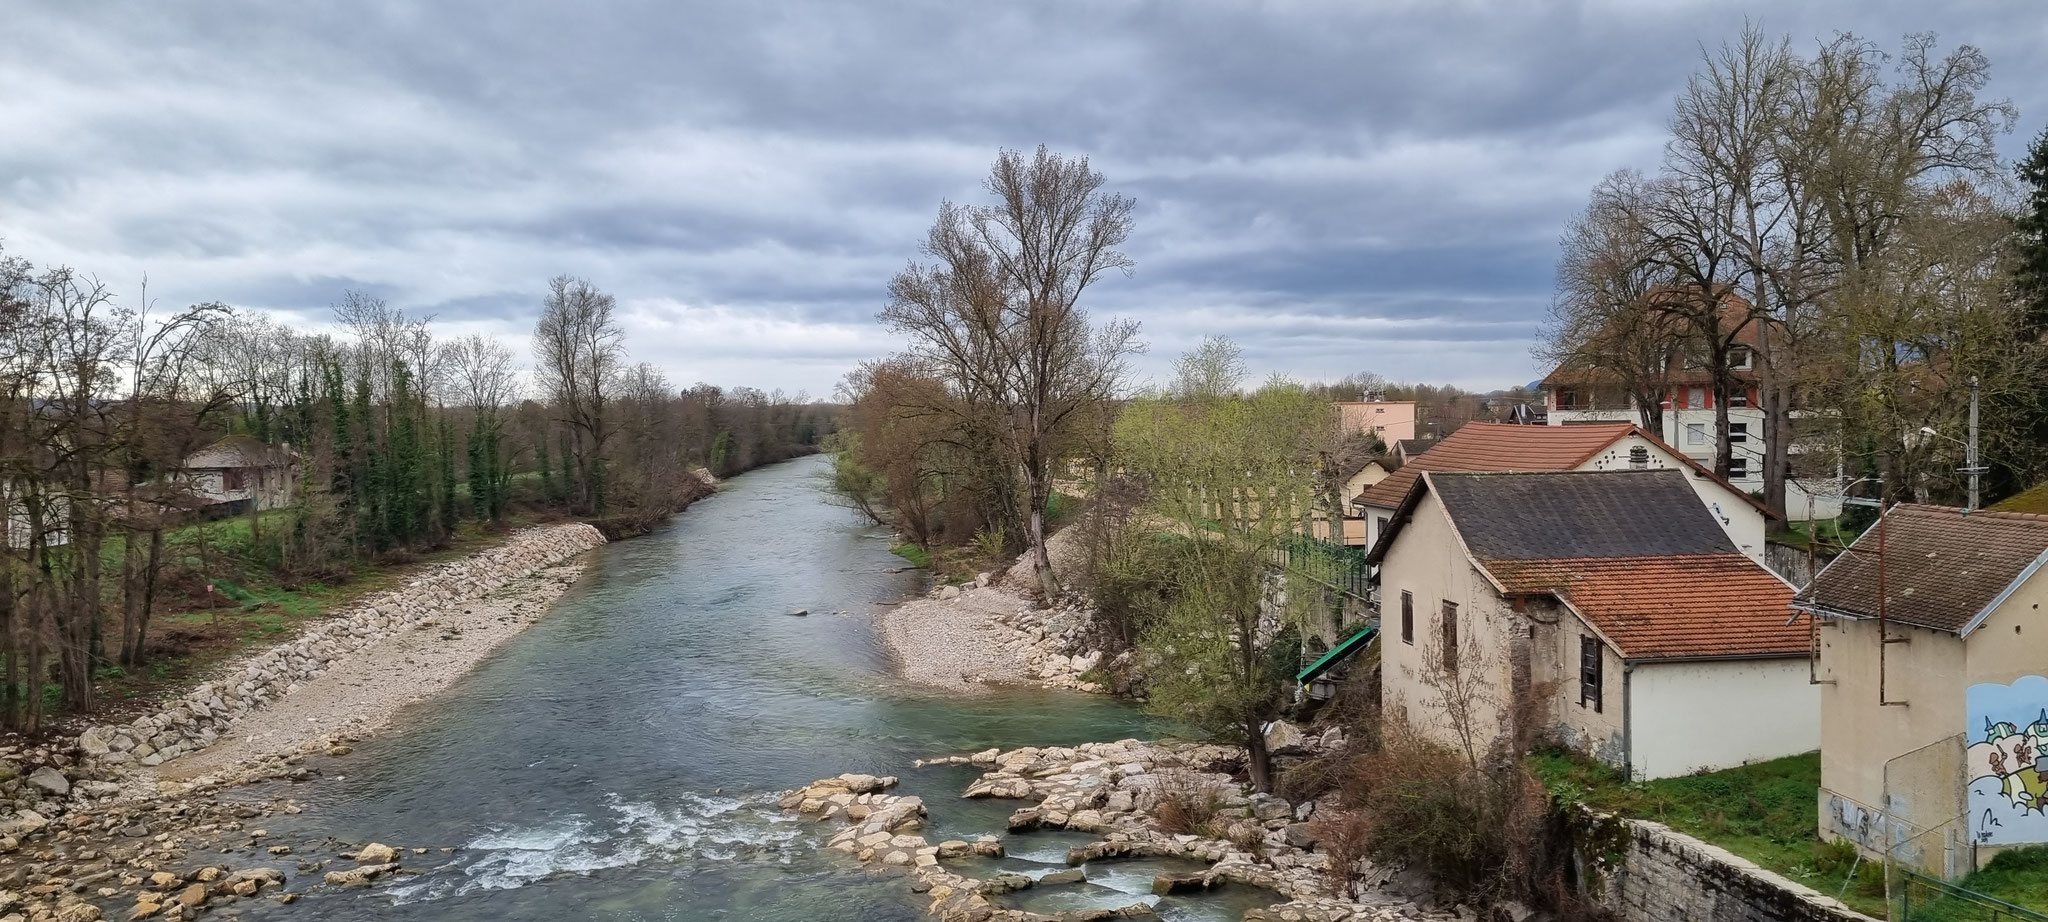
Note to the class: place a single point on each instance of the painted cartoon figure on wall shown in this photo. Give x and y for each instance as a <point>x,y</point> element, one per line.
<point>2007,764</point>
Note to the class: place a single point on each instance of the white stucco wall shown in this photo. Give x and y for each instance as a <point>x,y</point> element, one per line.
<point>1687,717</point>
<point>1428,562</point>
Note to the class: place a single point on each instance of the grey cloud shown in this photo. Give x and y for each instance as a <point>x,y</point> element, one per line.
<point>1337,185</point>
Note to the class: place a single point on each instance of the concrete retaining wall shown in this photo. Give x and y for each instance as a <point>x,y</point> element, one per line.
<point>1668,876</point>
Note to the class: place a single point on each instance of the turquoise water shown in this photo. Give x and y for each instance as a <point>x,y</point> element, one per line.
<point>618,761</point>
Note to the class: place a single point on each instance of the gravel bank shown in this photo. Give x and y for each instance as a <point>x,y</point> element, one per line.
<point>992,632</point>
<point>361,693</point>
<point>958,643</point>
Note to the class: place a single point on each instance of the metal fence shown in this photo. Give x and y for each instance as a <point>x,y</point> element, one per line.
<point>1926,899</point>
<point>1337,566</point>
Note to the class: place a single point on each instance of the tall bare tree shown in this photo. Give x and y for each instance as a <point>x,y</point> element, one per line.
<point>999,310</point>
<point>578,348</point>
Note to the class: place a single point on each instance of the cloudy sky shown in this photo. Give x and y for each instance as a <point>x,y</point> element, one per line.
<point>1338,186</point>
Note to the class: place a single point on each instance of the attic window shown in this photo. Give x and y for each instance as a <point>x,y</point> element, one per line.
<point>1639,457</point>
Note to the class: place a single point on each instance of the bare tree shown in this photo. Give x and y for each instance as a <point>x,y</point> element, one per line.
<point>578,348</point>
<point>999,310</point>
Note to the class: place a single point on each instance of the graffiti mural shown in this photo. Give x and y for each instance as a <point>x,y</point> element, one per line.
<point>2008,771</point>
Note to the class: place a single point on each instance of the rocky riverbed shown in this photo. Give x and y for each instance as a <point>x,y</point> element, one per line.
<point>148,811</point>
<point>1114,791</point>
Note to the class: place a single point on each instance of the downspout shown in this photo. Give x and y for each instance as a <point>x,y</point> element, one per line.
<point>1628,721</point>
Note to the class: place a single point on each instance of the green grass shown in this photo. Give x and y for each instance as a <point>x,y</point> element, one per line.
<point>249,606</point>
<point>1767,812</point>
<point>917,556</point>
<point>2018,876</point>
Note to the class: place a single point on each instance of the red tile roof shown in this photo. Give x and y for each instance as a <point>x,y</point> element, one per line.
<point>1510,447</point>
<point>1499,447</point>
<point>1676,607</point>
<point>1944,568</point>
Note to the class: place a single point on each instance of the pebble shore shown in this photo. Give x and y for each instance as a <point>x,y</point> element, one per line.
<point>127,812</point>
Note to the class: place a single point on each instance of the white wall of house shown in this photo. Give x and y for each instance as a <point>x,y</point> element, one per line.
<point>1429,563</point>
<point>1692,716</point>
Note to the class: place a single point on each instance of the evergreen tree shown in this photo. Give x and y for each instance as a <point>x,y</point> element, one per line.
<point>404,505</point>
<point>567,482</point>
<point>2031,273</point>
<point>368,471</point>
<point>447,494</point>
<point>481,477</point>
<point>2029,408</point>
<point>547,474</point>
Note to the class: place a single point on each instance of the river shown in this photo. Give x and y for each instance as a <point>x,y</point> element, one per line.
<point>619,760</point>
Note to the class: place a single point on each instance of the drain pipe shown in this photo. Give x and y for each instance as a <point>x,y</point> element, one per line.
<point>1628,722</point>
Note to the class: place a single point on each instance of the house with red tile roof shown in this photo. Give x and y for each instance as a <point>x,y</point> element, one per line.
<point>1931,645</point>
<point>1602,610</point>
<point>1613,446</point>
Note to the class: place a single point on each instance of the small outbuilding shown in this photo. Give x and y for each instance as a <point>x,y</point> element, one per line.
<point>1932,658</point>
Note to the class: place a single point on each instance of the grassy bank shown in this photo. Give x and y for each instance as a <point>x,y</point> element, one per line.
<point>1767,812</point>
<point>216,602</point>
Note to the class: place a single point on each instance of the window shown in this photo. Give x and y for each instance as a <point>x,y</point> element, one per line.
<point>1738,399</point>
<point>1379,527</point>
<point>1738,433</point>
<point>1639,457</point>
<point>1407,617</point>
<point>1738,468</point>
<point>1449,654</point>
<point>1695,433</point>
<point>1589,672</point>
<point>1567,398</point>
<point>1738,357</point>
<point>1695,398</point>
<point>234,479</point>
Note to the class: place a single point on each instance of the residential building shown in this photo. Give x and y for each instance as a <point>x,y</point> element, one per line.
<point>1391,420</point>
<point>1688,417</point>
<point>1607,611</point>
<point>1932,656</point>
<point>1593,447</point>
<point>229,475</point>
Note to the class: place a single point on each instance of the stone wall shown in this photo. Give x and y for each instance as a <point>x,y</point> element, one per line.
<point>1667,876</point>
<point>205,713</point>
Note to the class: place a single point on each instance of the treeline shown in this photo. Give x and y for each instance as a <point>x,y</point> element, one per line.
<point>122,425</point>
<point>1840,219</point>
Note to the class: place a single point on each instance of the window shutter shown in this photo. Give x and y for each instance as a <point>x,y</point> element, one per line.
<point>1450,637</point>
<point>1590,664</point>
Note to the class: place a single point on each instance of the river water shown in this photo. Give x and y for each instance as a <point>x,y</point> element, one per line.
<point>620,759</point>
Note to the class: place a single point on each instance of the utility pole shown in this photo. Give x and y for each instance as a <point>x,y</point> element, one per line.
<point>1975,470</point>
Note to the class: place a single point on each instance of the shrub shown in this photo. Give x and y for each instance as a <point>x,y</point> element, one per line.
<point>1473,830</point>
<point>1187,804</point>
<point>1345,836</point>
